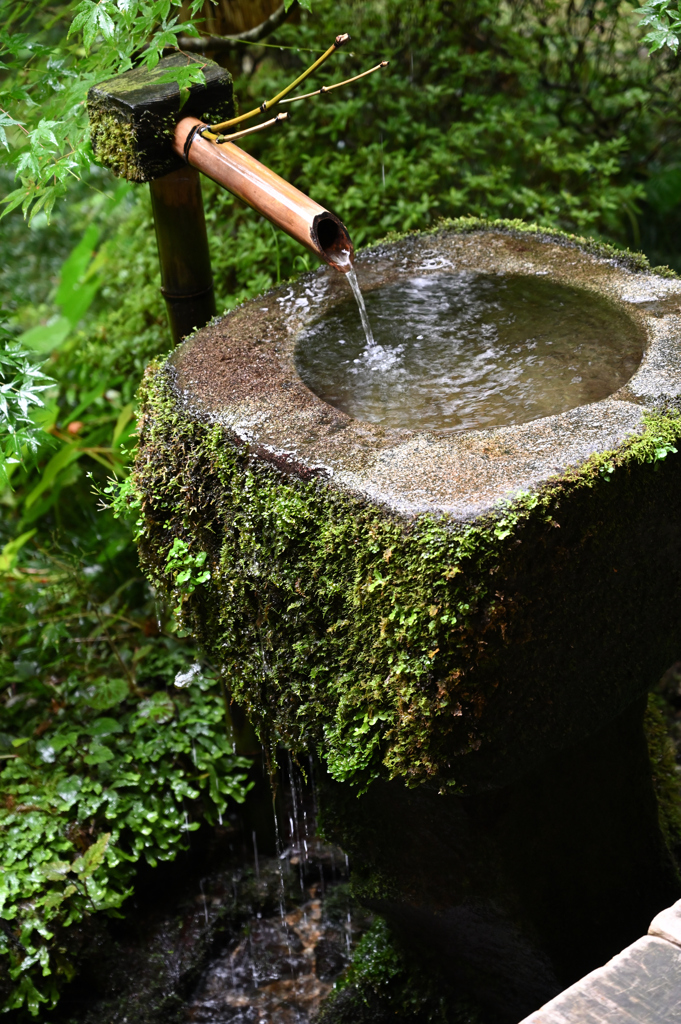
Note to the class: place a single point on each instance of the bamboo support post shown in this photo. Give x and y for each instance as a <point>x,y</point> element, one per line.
<point>186,277</point>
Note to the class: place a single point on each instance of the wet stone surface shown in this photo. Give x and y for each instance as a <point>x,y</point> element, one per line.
<point>277,970</point>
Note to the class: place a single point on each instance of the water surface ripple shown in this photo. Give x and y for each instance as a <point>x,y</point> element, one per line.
<point>469,350</point>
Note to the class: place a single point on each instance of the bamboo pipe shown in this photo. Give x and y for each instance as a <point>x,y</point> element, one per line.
<point>282,203</point>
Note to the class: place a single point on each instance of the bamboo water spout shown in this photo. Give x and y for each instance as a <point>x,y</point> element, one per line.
<point>132,119</point>
<point>272,196</point>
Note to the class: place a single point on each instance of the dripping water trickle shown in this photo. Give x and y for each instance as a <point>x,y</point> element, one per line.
<point>205,903</point>
<point>280,854</point>
<point>255,856</point>
<point>357,292</point>
<point>283,961</point>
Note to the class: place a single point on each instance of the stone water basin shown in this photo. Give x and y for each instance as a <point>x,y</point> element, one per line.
<point>463,622</point>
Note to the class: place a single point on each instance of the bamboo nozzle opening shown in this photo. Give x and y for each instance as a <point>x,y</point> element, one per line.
<point>333,240</point>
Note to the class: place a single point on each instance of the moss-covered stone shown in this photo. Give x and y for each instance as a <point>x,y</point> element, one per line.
<point>416,646</point>
<point>385,985</point>
<point>381,642</point>
<point>666,778</point>
<point>636,261</point>
<point>517,892</point>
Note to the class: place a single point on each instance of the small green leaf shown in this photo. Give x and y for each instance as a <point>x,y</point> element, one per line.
<point>45,338</point>
<point>64,457</point>
<point>86,865</point>
<point>107,693</point>
<point>10,551</point>
<point>56,871</point>
<point>68,789</point>
<point>105,727</point>
<point>98,754</point>
<point>159,708</point>
<point>124,417</point>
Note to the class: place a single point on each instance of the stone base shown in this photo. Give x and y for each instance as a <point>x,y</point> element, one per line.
<point>518,892</point>
<point>477,614</point>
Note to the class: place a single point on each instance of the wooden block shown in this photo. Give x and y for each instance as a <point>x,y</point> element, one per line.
<point>641,985</point>
<point>133,116</point>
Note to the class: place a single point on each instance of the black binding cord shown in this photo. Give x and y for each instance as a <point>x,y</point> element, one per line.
<point>191,134</point>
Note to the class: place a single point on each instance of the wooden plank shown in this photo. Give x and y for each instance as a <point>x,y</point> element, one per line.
<point>641,985</point>
<point>667,924</point>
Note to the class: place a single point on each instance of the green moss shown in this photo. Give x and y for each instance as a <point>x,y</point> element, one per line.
<point>340,626</point>
<point>138,151</point>
<point>384,983</point>
<point>377,961</point>
<point>636,261</point>
<point>113,143</point>
<point>665,774</point>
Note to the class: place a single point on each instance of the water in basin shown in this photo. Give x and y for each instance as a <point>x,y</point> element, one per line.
<point>467,350</point>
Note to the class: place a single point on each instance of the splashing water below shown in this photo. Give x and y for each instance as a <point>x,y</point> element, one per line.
<point>281,962</point>
<point>465,350</point>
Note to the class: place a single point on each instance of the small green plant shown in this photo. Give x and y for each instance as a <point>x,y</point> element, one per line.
<point>186,567</point>
<point>22,382</point>
<point>376,962</point>
<point>385,982</point>
<point>664,23</point>
<point>662,448</point>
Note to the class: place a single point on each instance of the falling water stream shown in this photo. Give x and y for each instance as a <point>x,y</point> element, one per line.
<point>359,298</point>
<point>282,963</point>
<point>258,936</point>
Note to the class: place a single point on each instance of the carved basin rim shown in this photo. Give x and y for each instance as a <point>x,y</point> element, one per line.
<point>239,371</point>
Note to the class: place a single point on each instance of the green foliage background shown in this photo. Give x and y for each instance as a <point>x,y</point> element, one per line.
<point>548,110</point>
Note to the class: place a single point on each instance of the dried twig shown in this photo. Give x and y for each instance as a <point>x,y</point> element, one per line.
<point>250,131</point>
<point>215,128</point>
<point>328,88</point>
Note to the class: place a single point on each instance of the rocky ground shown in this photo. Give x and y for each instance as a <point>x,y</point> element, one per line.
<point>226,933</point>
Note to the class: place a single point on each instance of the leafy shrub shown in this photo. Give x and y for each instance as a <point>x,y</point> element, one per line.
<point>114,745</point>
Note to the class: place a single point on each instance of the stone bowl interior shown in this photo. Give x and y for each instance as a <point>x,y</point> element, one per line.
<point>465,350</point>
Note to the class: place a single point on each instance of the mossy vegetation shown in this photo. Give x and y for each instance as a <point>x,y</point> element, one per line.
<point>384,985</point>
<point>636,261</point>
<point>665,772</point>
<point>113,139</point>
